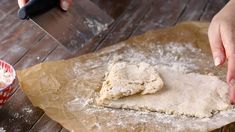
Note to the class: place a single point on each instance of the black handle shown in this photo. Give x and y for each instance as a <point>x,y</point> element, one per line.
<point>36,7</point>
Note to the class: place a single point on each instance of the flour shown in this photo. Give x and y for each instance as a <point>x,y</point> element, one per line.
<point>140,117</point>
<point>5,78</point>
<point>126,79</point>
<point>78,103</point>
<point>96,26</point>
<point>175,56</point>
<point>27,109</point>
<point>2,129</point>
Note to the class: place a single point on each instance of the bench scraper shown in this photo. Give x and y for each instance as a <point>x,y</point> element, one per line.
<point>83,21</point>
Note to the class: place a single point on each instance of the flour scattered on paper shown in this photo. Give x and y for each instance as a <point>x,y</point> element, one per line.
<point>175,56</point>
<point>140,117</point>
<point>78,102</point>
<point>170,55</point>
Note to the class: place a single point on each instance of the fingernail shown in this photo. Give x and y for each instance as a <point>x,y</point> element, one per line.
<point>232,91</point>
<point>65,5</point>
<point>217,61</point>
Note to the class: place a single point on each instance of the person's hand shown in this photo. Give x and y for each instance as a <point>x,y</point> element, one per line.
<point>222,41</point>
<point>64,4</point>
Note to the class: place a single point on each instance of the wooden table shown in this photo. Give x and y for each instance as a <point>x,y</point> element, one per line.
<point>22,44</point>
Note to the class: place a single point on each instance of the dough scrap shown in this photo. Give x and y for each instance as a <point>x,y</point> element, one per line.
<point>190,94</point>
<point>128,79</point>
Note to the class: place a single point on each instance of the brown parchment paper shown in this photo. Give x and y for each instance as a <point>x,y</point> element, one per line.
<point>66,89</point>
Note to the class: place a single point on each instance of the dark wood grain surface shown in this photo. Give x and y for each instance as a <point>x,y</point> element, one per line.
<point>23,44</point>
<point>77,26</point>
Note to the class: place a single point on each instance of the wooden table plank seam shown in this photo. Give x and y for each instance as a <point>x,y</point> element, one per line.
<point>34,44</point>
<point>30,129</point>
<point>8,13</point>
<point>9,28</point>
<point>182,12</point>
<point>112,28</point>
<point>135,30</point>
<point>134,22</point>
<point>204,9</point>
<point>139,23</point>
<point>168,12</point>
<point>39,121</point>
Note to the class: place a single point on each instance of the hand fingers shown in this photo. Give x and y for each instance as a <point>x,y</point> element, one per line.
<point>228,38</point>
<point>65,4</point>
<point>21,3</point>
<point>216,44</point>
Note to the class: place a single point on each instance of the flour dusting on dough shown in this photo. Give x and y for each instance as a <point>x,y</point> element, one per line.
<point>124,79</point>
<point>177,97</point>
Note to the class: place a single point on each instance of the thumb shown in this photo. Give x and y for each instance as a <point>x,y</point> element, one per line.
<point>65,4</point>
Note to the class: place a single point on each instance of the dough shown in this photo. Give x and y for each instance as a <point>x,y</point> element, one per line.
<point>128,79</point>
<point>188,94</point>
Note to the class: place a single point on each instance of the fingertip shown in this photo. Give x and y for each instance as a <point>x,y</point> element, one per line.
<point>232,101</point>
<point>217,61</point>
<point>232,95</point>
<point>65,4</point>
<point>21,3</point>
<point>219,58</point>
<point>232,91</point>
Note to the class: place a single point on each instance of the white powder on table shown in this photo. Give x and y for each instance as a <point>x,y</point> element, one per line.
<point>27,109</point>
<point>96,26</point>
